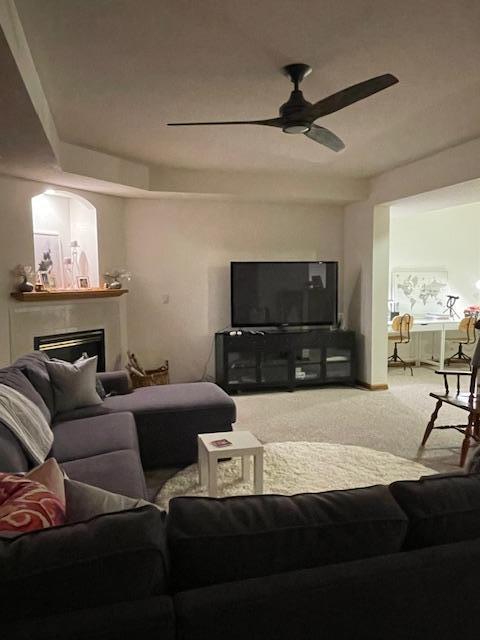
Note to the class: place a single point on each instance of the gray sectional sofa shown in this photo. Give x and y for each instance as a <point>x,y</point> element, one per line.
<point>364,564</point>
<point>109,445</point>
<point>372,563</point>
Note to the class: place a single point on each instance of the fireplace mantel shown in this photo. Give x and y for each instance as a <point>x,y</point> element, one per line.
<point>63,312</point>
<point>67,294</point>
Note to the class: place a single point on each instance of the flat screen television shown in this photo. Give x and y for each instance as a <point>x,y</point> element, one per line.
<point>283,293</point>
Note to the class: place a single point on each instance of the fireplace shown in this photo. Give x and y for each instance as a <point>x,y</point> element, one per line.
<point>70,346</point>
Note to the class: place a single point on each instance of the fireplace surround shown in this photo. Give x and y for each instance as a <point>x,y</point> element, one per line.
<point>51,319</point>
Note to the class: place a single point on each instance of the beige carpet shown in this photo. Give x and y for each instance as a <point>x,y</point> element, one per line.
<point>301,467</point>
<point>392,421</point>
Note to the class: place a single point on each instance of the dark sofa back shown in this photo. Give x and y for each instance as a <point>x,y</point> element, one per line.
<point>423,588</point>
<point>213,541</point>
<point>12,456</point>
<point>34,367</point>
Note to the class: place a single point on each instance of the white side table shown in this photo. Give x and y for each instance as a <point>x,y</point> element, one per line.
<point>244,445</point>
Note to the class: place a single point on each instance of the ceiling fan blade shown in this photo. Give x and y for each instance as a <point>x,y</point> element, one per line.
<point>348,96</point>
<point>325,137</point>
<point>273,122</point>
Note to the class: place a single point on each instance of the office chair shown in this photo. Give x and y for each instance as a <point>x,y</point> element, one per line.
<point>401,325</point>
<point>466,327</point>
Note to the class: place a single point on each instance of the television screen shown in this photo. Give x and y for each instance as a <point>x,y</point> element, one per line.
<point>283,293</point>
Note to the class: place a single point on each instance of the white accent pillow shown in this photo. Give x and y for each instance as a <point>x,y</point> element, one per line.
<point>73,384</point>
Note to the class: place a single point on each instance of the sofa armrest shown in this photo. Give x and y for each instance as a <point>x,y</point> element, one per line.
<point>114,557</point>
<point>117,382</point>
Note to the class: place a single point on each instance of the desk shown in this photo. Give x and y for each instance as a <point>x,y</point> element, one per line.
<point>424,325</point>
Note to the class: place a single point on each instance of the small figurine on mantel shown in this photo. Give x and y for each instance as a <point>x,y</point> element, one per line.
<point>113,278</point>
<point>24,272</point>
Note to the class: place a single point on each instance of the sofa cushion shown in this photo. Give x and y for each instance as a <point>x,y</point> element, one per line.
<point>170,416</point>
<point>118,471</point>
<point>74,385</point>
<point>221,540</point>
<point>26,505</point>
<point>85,501</point>
<point>111,558</point>
<point>14,378</point>
<point>440,510</point>
<point>93,436</point>
<point>34,366</point>
<point>428,594</point>
<point>203,402</point>
<point>83,412</point>
<point>146,618</point>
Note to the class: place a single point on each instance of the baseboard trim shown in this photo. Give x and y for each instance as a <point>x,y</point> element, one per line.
<point>372,387</point>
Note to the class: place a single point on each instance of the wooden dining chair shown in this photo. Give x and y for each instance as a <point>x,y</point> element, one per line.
<point>401,326</point>
<point>468,335</point>
<point>467,401</point>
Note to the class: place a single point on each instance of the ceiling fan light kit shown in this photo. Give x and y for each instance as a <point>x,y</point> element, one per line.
<point>296,128</point>
<point>297,115</point>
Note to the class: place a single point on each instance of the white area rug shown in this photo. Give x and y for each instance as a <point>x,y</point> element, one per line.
<point>301,467</point>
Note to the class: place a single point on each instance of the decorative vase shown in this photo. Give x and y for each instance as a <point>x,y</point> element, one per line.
<point>25,286</point>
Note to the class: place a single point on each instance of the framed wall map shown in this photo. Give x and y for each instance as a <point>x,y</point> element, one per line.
<point>420,291</point>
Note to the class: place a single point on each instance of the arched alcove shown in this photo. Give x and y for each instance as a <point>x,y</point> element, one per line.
<point>65,240</point>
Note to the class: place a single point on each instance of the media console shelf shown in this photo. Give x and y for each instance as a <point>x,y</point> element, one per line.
<point>289,359</point>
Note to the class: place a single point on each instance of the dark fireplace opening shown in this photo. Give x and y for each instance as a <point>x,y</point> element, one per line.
<point>71,346</point>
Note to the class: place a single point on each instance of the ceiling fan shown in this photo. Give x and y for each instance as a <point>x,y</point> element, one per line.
<point>297,115</point>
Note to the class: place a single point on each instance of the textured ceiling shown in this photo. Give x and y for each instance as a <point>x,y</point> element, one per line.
<point>115,71</point>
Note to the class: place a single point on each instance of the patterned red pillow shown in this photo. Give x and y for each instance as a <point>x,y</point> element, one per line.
<point>26,505</point>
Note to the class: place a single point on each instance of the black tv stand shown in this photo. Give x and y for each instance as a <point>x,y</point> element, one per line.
<point>300,329</point>
<point>284,357</point>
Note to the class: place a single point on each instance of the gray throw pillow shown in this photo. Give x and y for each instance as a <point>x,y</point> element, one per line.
<point>85,501</point>
<point>74,384</point>
<point>100,389</point>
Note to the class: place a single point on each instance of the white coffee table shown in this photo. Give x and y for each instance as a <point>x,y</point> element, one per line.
<point>244,445</point>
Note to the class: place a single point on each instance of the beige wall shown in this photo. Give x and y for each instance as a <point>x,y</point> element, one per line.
<point>365,229</point>
<point>358,259</point>
<point>182,249</point>
<point>16,238</point>
<point>446,239</point>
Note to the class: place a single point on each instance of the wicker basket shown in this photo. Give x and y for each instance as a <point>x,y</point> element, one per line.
<point>151,377</point>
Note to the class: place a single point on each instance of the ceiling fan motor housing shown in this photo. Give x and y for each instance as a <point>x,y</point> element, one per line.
<point>290,112</point>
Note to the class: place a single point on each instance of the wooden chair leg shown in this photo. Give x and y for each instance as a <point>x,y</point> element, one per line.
<point>430,425</point>
<point>466,439</point>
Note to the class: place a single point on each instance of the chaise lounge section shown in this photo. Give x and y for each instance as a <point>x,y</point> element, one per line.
<point>169,418</point>
<point>108,445</point>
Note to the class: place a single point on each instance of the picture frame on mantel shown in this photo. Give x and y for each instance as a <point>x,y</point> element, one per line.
<point>44,243</point>
<point>83,282</point>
